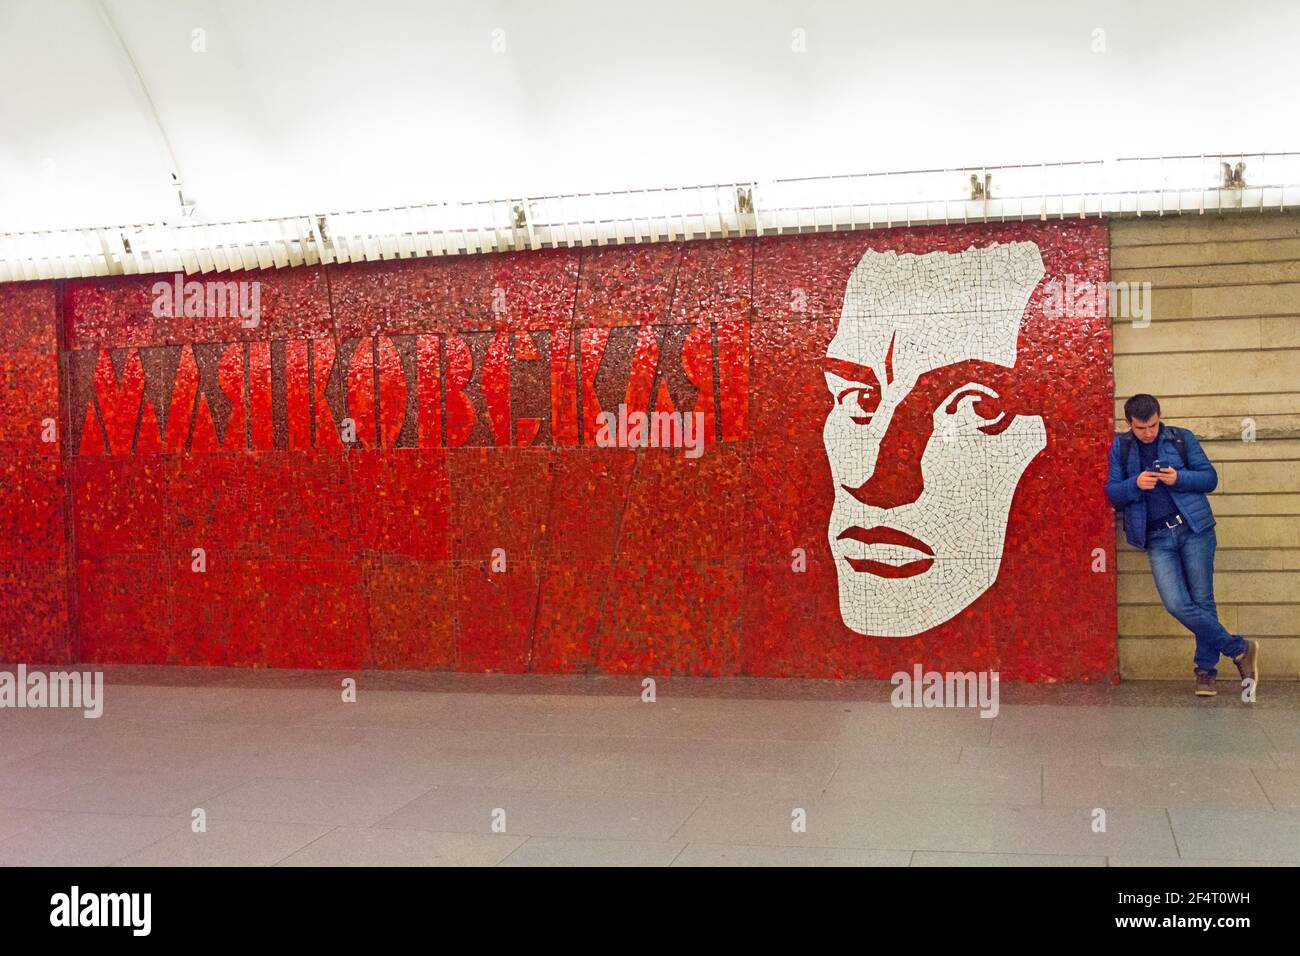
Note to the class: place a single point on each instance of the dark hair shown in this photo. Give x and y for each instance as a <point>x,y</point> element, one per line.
<point>1141,407</point>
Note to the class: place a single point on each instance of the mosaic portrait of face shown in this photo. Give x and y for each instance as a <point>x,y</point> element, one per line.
<point>928,435</point>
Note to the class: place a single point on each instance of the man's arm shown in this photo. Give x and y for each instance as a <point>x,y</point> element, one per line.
<point>1199,475</point>
<point>1120,490</point>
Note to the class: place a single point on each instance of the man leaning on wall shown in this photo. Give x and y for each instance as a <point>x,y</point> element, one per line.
<point>1160,477</point>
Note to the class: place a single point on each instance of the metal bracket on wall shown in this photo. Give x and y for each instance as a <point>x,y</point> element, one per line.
<point>1131,186</point>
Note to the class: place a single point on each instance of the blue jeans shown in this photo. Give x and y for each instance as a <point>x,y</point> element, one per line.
<point>1182,562</point>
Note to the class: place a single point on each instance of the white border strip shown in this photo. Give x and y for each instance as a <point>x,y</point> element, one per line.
<point>1143,186</point>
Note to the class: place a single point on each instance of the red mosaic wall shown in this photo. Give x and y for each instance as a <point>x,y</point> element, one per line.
<point>474,385</point>
<point>34,579</point>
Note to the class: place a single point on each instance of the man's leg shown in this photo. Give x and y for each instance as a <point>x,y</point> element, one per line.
<point>1165,554</point>
<point>1198,568</point>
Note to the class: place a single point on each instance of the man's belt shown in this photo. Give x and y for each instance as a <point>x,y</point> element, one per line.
<point>1171,521</point>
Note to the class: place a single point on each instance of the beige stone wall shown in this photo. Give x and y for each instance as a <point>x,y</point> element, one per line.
<point>1223,345</point>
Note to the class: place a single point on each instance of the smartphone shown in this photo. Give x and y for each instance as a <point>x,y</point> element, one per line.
<point>1158,465</point>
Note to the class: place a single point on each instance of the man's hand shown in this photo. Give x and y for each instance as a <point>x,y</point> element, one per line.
<point>1147,480</point>
<point>1167,475</point>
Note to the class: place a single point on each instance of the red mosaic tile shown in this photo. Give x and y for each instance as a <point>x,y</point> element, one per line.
<point>30,316</point>
<point>118,505</point>
<point>148,310</point>
<point>230,503</point>
<point>627,285</point>
<point>462,293</point>
<point>313,596</point>
<point>673,617</point>
<point>350,462</point>
<point>394,298</point>
<point>402,500</point>
<point>238,611</point>
<point>29,403</point>
<point>589,496</point>
<point>217,613</point>
<point>495,614</point>
<point>499,500</point>
<point>534,290</point>
<point>572,601</point>
<point>412,613</point>
<point>31,508</point>
<point>666,518</point>
<point>34,613</point>
<point>321,520</point>
<point>714,281</point>
<point>122,610</point>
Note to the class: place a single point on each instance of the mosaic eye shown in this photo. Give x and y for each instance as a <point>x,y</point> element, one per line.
<point>977,406</point>
<point>861,402</point>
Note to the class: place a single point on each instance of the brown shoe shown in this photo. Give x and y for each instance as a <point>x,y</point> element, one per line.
<point>1205,685</point>
<point>1248,662</point>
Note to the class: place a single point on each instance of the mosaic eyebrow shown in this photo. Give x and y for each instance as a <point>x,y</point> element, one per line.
<point>851,371</point>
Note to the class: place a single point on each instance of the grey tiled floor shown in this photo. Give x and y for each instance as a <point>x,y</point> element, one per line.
<point>486,770</point>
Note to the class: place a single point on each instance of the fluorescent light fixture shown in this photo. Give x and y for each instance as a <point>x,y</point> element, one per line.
<point>1160,185</point>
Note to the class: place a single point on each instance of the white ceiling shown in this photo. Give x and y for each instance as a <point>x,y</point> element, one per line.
<point>317,106</point>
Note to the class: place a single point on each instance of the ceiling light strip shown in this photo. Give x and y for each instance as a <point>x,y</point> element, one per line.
<point>1141,186</point>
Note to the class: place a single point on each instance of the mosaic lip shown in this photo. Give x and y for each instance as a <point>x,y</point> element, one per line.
<point>883,534</point>
<point>879,568</point>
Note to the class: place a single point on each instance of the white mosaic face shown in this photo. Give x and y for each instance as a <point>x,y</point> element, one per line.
<point>924,453</point>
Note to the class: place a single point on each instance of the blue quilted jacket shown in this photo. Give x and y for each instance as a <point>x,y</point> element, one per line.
<point>1196,479</point>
